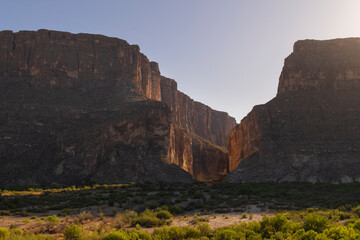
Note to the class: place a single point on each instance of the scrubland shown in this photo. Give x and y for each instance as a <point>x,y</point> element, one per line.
<point>182,211</point>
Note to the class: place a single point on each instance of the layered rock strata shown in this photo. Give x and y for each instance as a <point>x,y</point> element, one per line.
<point>310,132</point>
<point>80,108</point>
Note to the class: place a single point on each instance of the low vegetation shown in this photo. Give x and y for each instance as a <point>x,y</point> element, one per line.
<point>154,211</point>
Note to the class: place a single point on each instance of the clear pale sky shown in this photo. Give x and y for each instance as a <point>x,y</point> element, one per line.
<point>227,54</point>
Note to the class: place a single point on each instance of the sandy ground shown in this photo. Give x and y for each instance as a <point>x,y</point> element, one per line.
<point>215,220</point>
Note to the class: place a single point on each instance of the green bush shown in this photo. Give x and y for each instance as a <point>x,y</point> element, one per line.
<point>316,222</point>
<point>85,216</point>
<point>52,219</point>
<point>191,233</point>
<point>269,226</point>
<point>174,233</point>
<point>163,214</point>
<point>302,235</point>
<point>118,235</point>
<point>16,232</point>
<point>149,218</point>
<point>147,221</point>
<point>225,234</point>
<point>204,228</point>
<point>341,232</point>
<point>356,225</point>
<point>176,209</point>
<point>128,216</point>
<point>357,211</point>
<point>73,232</point>
<point>4,233</point>
<point>137,234</point>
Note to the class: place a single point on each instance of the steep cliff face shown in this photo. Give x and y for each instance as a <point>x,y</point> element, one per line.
<point>53,59</point>
<point>322,65</point>
<point>63,60</point>
<point>204,160</point>
<point>67,145</point>
<point>57,90</point>
<point>196,117</point>
<point>310,131</point>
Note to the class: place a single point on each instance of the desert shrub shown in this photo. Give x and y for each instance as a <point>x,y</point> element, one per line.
<point>145,220</point>
<point>225,234</point>
<point>251,235</point>
<point>73,232</point>
<point>152,204</point>
<point>118,235</point>
<point>191,233</point>
<point>125,219</point>
<point>85,216</point>
<point>196,219</point>
<point>269,226</point>
<point>16,232</point>
<point>137,234</point>
<point>163,214</point>
<point>357,211</point>
<point>23,213</point>
<point>52,219</point>
<point>356,225</point>
<point>5,213</point>
<point>316,222</point>
<point>149,218</point>
<point>174,233</point>
<point>128,216</point>
<point>302,235</point>
<point>341,232</point>
<point>204,228</point>
<point>65,212</point>
<point>4,233</point>
<point>176,209</point>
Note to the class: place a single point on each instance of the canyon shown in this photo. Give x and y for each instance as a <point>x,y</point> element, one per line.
<point>83,108</point>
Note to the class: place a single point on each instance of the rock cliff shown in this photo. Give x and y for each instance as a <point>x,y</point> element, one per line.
<point>204,160</point>
<point>79,108</point>
<point>310,131</point>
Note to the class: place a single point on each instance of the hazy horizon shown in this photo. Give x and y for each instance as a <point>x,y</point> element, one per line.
<point>225,54</point>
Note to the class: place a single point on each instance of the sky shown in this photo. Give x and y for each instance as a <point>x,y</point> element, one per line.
<point>227,54</point>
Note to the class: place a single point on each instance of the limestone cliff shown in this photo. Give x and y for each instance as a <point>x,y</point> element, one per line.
<point>310,131</point>
<point>53,59</point>
<point>204,160</point>
<point>89,108</point>
<point>196,117</point>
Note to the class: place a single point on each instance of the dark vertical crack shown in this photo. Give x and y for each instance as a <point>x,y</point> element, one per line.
<point>94,55</point>
<point>78,62</point>
<point>28,58</point>
<point>14,44</point>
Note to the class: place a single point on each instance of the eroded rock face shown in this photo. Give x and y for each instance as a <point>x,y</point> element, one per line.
<point>196,117</point>
<point>53,59</point>
<point>82,108</point>
<point>310,131</point>
<point>203,159</point>
<point>322,65</point>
